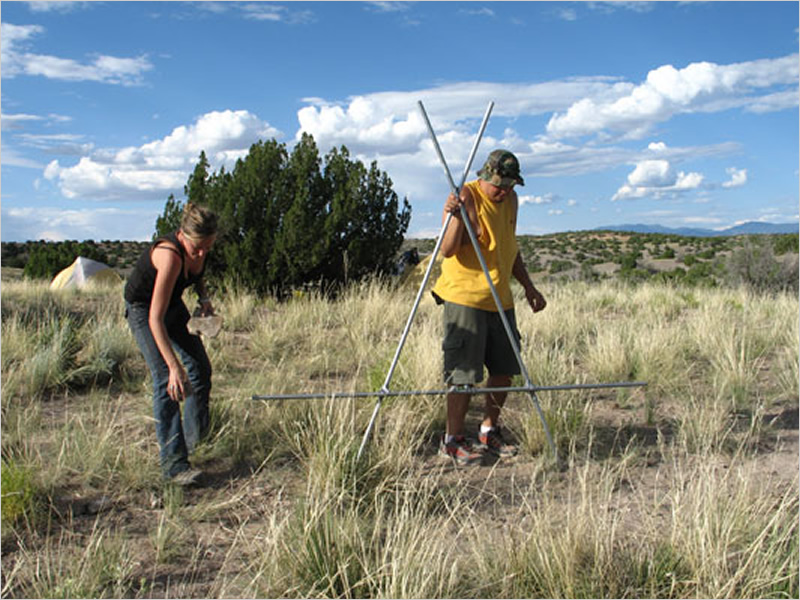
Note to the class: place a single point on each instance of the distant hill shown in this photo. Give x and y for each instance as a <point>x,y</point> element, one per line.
<point>749,228</point>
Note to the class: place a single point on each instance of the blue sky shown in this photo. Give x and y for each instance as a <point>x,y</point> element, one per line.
<point>669,113</point>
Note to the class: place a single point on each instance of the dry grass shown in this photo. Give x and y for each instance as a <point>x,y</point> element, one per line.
<point>687,488</point>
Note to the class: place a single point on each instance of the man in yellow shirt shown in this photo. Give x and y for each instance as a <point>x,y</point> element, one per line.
<point>474,332</point>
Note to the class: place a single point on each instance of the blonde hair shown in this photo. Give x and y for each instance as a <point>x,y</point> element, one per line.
<point>198,222</point>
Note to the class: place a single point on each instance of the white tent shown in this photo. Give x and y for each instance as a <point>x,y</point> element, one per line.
<point>82,272</point>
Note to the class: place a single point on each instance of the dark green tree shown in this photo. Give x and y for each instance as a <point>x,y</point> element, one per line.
<point>196,188</point>
<point>46,259</point>
<point>364,228</point>
<point>250,202</point>
<point>287,220</point>
<point>299,252</point>
<point>785,243</point>
<point>196,191</point>
<point>170,219</point>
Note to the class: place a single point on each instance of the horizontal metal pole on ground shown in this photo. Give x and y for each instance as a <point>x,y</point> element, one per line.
<point>470,391</point>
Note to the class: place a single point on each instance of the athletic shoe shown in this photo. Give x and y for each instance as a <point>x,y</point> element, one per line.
<point>492,441</point>
<point>187,478</point>
<point>460,450</point>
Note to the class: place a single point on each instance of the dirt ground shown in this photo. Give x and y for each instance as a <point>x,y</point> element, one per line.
<point>239,503</point>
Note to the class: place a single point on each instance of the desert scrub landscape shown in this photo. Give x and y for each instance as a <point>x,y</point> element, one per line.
<point>685,488</point>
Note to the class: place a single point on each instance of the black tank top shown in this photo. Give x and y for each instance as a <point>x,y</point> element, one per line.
<point>139,287</point>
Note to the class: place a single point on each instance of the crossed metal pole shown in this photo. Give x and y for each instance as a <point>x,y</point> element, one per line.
<point>501,312</point>
<point>529,388</point>
<point>471,157</point>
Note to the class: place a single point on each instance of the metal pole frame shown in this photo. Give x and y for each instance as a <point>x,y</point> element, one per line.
<point>528,388</point>
<point>385,388</point>
<point>460,390</point>
<point>511,338</point>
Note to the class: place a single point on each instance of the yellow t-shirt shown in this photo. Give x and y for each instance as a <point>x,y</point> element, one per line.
<point>462,280</point>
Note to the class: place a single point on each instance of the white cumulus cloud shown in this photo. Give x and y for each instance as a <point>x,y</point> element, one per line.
<point>391,122</point>
<point>548,198</point>
<point>759,85</point>
<point>161,166</point>
<point>655,178</point>
<point>738,177</point>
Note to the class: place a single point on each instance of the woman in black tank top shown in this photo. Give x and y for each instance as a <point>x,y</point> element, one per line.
<point>177,360</point>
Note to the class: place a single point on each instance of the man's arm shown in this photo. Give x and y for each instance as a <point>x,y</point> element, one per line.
<point>520,273</point>
<point>456,234</point>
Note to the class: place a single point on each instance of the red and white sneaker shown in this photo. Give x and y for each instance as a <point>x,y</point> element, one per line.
<point>460,450</point>
<point>492,441</point>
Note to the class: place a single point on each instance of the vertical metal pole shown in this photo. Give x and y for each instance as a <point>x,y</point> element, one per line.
<point>511,338</point>
<point>470,159</point>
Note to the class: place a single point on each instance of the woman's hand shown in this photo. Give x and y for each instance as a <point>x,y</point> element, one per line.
<point>178,383</point>
<point>206,308</point>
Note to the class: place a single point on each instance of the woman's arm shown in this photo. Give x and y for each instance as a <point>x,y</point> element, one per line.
<point>206,308</point>
<point>168,265</point>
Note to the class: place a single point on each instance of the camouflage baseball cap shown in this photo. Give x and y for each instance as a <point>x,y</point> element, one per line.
<point>501,169</point>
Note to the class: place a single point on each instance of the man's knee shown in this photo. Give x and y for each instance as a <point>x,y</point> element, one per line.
<point>499,380</point>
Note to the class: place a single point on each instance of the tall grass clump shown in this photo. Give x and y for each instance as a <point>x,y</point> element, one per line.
<point>734,336</point>
<point>390,545</point>
<point>572,542</point>
<point>53,340</point>
<point>108,351</point>
<point>737,540</point>
<point>238,307</point>
<point>98,447</point>
<point>43,362</point>
<point>322,438</point>
<point>99,566</point>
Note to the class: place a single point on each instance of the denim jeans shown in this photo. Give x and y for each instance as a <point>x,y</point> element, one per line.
<point>177,436</point>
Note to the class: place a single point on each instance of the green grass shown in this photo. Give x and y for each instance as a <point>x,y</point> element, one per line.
<point>687,488</point>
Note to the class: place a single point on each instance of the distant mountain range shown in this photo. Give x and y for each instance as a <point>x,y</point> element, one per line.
<point>749,228</point>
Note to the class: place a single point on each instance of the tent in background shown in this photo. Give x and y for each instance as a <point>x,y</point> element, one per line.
<point>82,272</point>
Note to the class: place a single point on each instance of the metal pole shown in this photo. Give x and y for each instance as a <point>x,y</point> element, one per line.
<point>438,241</point>
<point>390,373</point>
<point>511,338</point>
<point>469,391</point>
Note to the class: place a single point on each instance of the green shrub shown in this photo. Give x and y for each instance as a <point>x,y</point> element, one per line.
<point>784,244</point>
<point>19,496</point>
<point>701,273</point>
<point>559,266</point>
<point>627,261</point>
<point>678,274</point>
<point>755,265</point>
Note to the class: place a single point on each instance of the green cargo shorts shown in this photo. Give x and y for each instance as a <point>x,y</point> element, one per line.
<point>474,338</point>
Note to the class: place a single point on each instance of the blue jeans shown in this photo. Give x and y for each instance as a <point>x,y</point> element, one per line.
<point>176,437</point>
